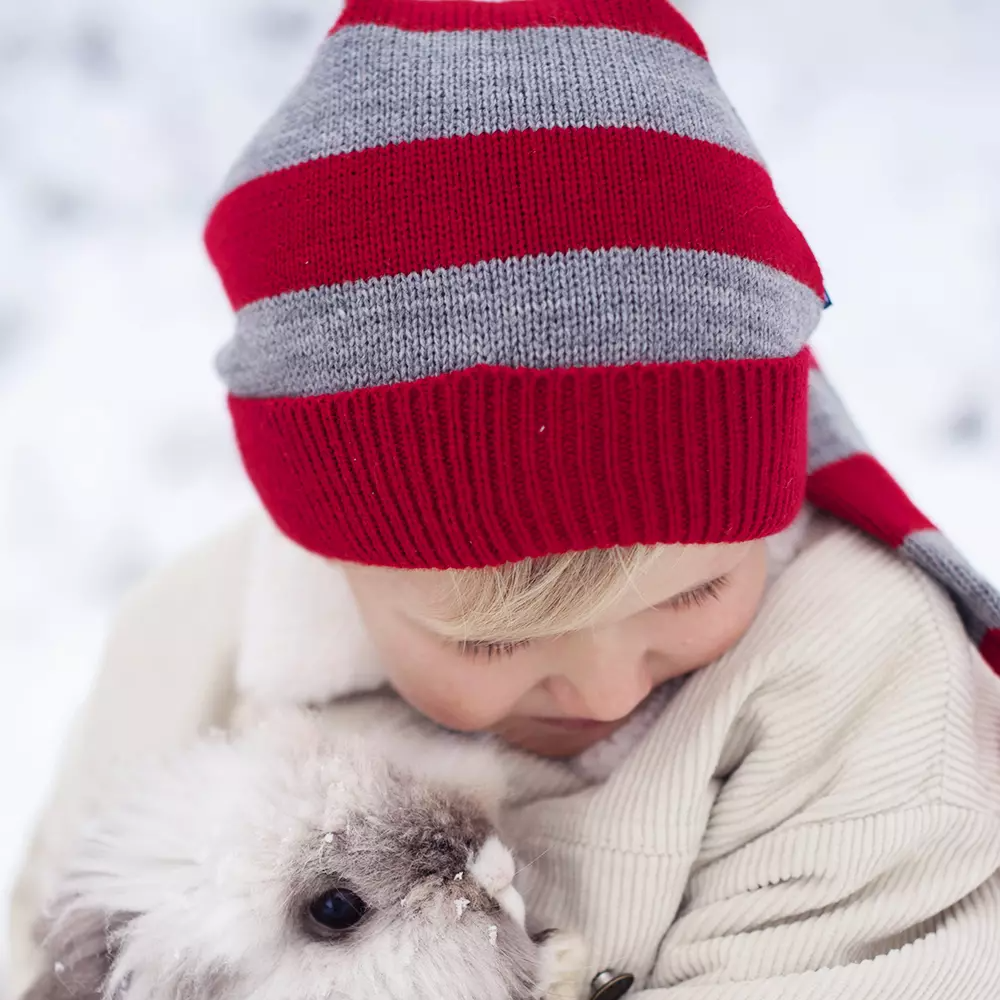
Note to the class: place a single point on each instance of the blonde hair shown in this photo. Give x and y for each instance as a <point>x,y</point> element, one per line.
<point>539,598</point>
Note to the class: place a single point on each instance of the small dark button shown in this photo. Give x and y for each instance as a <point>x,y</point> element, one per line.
<point>611,985</point>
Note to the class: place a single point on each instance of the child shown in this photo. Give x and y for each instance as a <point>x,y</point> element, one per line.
<point>520,373</point>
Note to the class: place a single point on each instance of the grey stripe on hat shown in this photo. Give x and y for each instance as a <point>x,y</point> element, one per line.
<point>978,602</point>
<point>575,309</point>
<point>832,434</point>
<point>371,85</point>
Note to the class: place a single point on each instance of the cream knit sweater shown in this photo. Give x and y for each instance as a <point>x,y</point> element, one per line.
<point>817,815</point>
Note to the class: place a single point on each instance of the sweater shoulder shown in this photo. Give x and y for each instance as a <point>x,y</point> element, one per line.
<point>851,611</point>
<point>860,693</point>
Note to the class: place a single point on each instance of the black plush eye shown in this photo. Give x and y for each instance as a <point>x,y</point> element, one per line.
<point>336,910</point>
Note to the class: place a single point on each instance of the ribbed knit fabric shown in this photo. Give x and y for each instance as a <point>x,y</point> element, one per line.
<point>807,819</point>
<point>543,449</point>
<point>511,280</point>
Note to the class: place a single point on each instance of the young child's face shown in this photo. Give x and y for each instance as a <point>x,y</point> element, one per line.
<point>557,696</point>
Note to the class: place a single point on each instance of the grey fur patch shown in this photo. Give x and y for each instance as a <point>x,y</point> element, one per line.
<point>404,853</point>
<point>78,948</point>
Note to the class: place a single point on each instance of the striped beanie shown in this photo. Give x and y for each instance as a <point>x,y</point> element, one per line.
<point>511,279</point>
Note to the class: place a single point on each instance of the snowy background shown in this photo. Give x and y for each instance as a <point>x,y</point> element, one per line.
<point>117,121</point>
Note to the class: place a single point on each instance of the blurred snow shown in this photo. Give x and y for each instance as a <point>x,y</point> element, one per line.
<point>119,119</point>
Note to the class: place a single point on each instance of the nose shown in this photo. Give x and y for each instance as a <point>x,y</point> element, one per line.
<point>605,681</point>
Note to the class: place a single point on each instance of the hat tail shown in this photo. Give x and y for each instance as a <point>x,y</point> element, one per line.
<point>846,480</point>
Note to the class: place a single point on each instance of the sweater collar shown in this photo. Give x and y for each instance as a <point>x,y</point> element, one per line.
<point>302,638</point>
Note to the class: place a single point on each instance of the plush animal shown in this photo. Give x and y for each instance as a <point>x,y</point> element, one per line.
<point>344,853</point>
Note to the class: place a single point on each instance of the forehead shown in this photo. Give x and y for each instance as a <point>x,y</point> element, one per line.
<point>428,595</point>
<point>675,570</point>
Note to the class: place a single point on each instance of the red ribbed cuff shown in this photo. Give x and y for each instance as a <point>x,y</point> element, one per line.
<point>493,465</point>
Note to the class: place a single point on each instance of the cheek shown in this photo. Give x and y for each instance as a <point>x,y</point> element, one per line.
<point>701,635</point>
<point>729,628</point>
<point>438,682</point>
<point>445,686</point>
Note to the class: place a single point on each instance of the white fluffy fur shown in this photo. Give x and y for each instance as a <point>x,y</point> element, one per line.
<point>197,884</point>
<point>303,640</point>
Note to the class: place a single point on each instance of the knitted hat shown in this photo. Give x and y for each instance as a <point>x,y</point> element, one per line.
<point>511,279</point>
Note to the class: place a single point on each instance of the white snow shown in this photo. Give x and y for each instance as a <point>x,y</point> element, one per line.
<point>119,119</point>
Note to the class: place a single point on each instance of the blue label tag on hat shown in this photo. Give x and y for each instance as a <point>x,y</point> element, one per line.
<point>827,301</point>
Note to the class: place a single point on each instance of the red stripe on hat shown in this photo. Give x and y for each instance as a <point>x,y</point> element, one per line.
<point>990,649</point>
<point>859,491</point>
<point>640,16</point>
<point>492,465</point>
<point>446,202</point>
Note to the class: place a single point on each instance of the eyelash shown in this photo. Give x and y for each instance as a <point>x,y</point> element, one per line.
<point>699,597</point>
<point>490,649</point>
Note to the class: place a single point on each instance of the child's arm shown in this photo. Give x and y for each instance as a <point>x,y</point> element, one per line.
<point>892,906</point>
<point>854,848</point>
<point>166,675</point>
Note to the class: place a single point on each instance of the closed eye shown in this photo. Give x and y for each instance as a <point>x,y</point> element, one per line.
<point>698,597</point>
<point>473,649</point>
